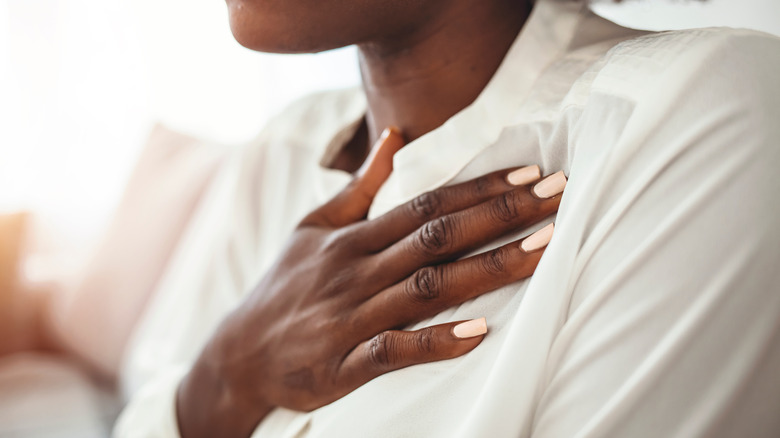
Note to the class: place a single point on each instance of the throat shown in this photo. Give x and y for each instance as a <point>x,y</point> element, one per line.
<point>418,80</point>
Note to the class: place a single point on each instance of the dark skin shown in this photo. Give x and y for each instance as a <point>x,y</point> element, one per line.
<point>327,318</point>
<point>446,65</point>
<point>421,61</point>
<point>443,65</point>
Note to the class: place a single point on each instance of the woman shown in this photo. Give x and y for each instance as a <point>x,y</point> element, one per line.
<point>654,311</point>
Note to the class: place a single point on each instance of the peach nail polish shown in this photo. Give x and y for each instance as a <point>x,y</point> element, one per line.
<point>469,329</point>
<point>525,175</point>
<point>386,133</point>
<point>537,240</point>
<point>390,138</point>
<point>550,186</point>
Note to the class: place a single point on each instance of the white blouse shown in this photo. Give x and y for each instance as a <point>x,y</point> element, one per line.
<point>655,311</point>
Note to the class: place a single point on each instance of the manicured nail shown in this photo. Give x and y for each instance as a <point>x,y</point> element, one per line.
<point>469,329</point>
<point>539,239</point>
<point>525,175</point>
<point>386,133</point>
<point>389,135</point>
<point>550,186</point>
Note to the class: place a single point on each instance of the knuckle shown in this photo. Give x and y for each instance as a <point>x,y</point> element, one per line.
<point>426,205</point>
<point>495,261</point>
<point>302,379</point>
<point>508,206</point>
<point>308,405</point>
<point>337,241</point>
<point>340,280</point>
<point>353,188</point>
<point>424,285</point>
<point>435,237</point>
<point>426,340</point>
<point>482,185</point>
<point>362,194</point>
<point>313,219</point>
<point>379,350</point>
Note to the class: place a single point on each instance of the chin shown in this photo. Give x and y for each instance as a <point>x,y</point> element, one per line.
<point>247,29</point>
<point>264,31</point>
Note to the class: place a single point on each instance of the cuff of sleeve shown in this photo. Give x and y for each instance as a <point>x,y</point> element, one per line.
<point>151,412</point>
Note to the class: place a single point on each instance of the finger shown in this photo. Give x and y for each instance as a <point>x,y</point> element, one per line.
<point>451,236</point>
<point>389,228</point>
<point>352,203</point>
<point>392,350</point>
<point>432,289</point>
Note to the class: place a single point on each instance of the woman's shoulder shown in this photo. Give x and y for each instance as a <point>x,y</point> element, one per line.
<point>637,67</point>
<point>668,81</point>
<point>674,103</point>
<point>687,40</point>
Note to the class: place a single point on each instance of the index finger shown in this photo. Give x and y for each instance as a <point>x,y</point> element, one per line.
<point>352,203</point>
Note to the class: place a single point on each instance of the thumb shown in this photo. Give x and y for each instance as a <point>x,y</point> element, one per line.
<point>352,203</point>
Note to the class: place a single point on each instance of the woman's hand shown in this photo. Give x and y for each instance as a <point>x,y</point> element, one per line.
<point>325,318</point>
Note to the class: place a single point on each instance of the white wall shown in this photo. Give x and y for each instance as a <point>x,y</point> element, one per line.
<point>81,82</point>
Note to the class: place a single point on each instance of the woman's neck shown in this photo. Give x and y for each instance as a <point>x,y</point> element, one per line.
<point>418,80</point>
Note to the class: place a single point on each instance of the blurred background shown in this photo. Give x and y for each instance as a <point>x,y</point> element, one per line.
<point>82,82</point>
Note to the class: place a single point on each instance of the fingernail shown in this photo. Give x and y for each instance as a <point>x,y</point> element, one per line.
<point>469,329</point>
<point>386,133</point>
<point>550,186</point>
<point>537,240</point>
<point>524,176</point>
<point>381,143</point>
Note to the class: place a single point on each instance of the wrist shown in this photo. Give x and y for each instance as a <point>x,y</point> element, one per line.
<point>206,406</point>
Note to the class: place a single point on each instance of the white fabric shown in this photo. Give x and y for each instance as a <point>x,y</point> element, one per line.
<point>655,310</point>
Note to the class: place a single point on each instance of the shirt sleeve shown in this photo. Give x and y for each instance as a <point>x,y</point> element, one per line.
<point>673,323</point>
<point>151,413</point>
<point>238,229</point>
<point>193,296</point>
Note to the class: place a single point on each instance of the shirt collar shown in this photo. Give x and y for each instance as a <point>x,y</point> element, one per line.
<point>437,157</point>
<point>554,28</point>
